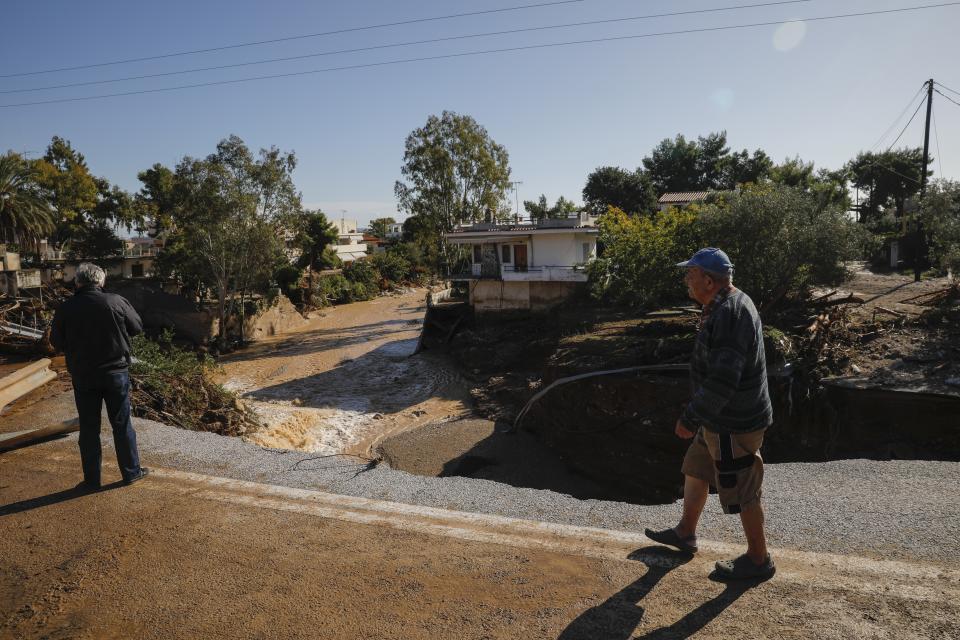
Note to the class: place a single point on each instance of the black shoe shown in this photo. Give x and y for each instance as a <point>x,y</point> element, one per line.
<point>743,568</point>
<point>144,472</point>
<point>670,538</point>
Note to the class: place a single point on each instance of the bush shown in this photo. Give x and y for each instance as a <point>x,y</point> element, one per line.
<point>364,272</point>
<point>781,240</point>
<point>394,269</point>
<point>636,265</point>
<point>288,280</point>
<point>173,386</point>
<point>941,221</point>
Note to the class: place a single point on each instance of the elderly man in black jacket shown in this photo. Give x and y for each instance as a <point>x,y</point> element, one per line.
<point>93,329</point>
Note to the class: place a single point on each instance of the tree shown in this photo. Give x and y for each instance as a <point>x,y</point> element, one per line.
<point>228,215</point>
<point>741,168</point>
<point>454,173</point>
<point>940,213</point>
<point>380,226</point>
<point>96,241</point>
<point>68,185</point>
<point>829,187</point>
<point>540,209</point>
<point>314,235</point>
<point>632,192</point>
<point>157,199</point>
<point>888,180</point>
<point>704,164</point>
<point>24,214</point>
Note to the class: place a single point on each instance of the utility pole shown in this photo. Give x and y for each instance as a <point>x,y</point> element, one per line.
<point>516,196</point>
<point>921,246</point>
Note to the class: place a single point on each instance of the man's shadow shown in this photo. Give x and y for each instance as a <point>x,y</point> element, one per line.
<point>53,498</point>
<point>619,617</point>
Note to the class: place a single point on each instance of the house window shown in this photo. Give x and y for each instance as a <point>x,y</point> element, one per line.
<point>477,254</point>
<point>586,252</point>
<point>505,256</point>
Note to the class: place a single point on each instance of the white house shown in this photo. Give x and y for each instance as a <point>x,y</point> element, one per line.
<point>394,231</point>
<point>350,244</point>
<point>532,265</point>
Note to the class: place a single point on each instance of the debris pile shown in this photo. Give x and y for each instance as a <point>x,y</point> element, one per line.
<point>174,386</point>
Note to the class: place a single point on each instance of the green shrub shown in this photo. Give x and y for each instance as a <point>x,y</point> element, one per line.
<point>394,269</point>
<point>781,240</point>
<point>941,221</point>
<point>364,272</point>
<point>288,280</point>
<point>174,386</point>
<point>636,265</point>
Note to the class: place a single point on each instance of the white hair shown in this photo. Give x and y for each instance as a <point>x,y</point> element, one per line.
<point>89,273</point>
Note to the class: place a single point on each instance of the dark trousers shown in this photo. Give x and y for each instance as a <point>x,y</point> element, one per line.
<point>90,393</point>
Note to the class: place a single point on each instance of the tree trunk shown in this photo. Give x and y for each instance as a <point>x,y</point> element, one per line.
<point>243,315</point>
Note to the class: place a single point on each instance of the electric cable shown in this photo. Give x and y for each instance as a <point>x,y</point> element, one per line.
<point>947,97</point>
<point>936,133</point>
<point>898,118</point>
<point>904,130</point>
<point>400,44</point>
<point>946,87</point>
<point>482,52</point>
<point>289,38</point>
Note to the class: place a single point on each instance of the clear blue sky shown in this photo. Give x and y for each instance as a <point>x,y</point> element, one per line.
<point>824,90</point>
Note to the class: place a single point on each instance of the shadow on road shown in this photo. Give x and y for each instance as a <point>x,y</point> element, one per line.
<point>621,614</point>
<point>53,498</point>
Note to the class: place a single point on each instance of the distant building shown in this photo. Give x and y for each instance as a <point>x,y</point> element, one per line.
<point>532,265</point>
<point>394,231</point>
<point>350,244</point>
<point>682,199</point>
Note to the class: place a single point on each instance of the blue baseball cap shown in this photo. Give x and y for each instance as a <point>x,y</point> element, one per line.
<point>710,259</point>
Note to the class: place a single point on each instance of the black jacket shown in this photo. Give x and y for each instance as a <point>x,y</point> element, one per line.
<point>93,329</point>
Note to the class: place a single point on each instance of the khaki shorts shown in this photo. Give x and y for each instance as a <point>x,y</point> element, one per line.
<point>731,463</point>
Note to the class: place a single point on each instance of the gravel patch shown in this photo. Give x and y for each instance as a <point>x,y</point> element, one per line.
<point>896,509</point>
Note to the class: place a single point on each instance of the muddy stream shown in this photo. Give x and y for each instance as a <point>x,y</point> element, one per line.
<point>347,379</point>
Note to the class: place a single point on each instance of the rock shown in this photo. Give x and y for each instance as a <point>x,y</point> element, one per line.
<point>855,369</point>
<point>378,416</point>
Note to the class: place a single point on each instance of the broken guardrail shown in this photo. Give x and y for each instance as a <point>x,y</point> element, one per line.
<point>23,381</point>
<point>20,383</point>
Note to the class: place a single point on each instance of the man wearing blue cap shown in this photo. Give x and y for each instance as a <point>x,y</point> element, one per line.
<point>727,415</point>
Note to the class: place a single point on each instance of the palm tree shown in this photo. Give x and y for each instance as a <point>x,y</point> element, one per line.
<point>24,215</point>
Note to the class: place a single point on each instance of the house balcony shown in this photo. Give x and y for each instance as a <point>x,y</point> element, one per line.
<point>511,273</point>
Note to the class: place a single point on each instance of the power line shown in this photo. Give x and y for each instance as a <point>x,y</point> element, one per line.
<point>898,118</point>
<point>406,44</point>
<point>936,134</point>
<point>947,88</point>
<point>947,97</point>
<point>300,37</point>
<point>904,130</point>
<point>482,52</point>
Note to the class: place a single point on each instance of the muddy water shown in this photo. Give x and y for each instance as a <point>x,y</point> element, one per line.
<point>347,379</point>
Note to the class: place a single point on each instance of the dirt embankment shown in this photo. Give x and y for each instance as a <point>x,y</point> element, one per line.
<point>618,430</point>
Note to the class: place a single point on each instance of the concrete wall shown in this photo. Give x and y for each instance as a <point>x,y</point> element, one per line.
<point>494,295</point>
<point>544,295</point>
